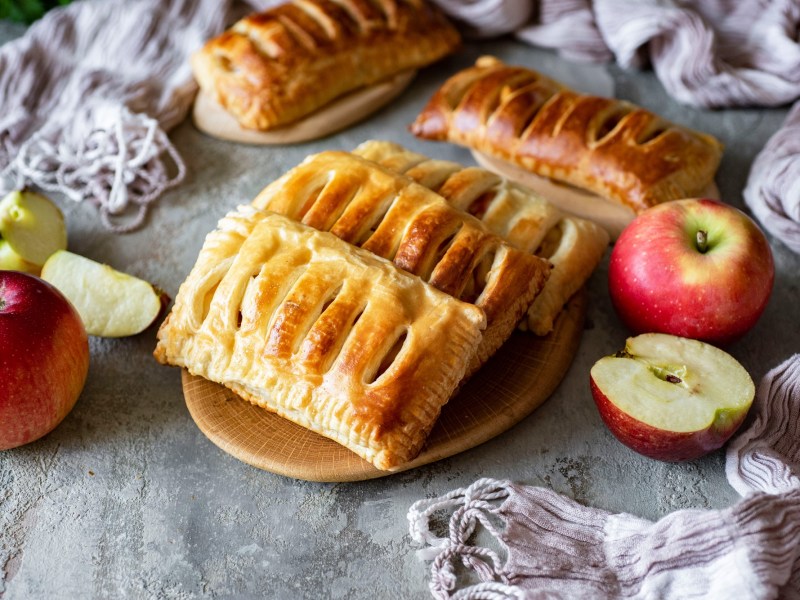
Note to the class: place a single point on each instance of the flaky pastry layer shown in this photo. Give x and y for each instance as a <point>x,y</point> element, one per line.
<point>275,67</point>
<point>390,215</point>
<point>573,246</point>
<point>610,147</point>
<point>324,334</point>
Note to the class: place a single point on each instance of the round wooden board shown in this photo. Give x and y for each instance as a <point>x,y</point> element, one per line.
<point>211,118</point>
<point>515,381</point>
<point>612,216</point>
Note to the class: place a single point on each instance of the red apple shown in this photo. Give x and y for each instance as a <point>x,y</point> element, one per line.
<point>671,398</point>
<point>693,268</point>
<point>44,358</point>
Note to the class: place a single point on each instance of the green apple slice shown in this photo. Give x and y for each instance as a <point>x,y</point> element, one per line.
<point>32,225</point>
<point>111,303</point>
<point>11,261</point>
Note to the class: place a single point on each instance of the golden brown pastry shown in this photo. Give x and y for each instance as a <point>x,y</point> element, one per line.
<point>610,147</point>
<point>277,66</point>
<point>574,246</point>
<point>324,334</point>
<point>370,206</point>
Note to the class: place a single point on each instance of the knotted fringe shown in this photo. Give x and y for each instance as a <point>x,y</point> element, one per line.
<point>471,506</point>
<point>88,93</point>
<point>110,156</point>
<point>556,547</point>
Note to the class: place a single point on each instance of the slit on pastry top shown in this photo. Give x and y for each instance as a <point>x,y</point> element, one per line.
<point>607,146</point>
<point>331,337</point>
<point>572,245</point>
<point>275,67</point>
<point>388,214</point>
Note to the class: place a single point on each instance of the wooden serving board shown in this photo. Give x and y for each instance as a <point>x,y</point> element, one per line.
<point>515,381</point>
<point>211,118</point>
<point>610,215</point>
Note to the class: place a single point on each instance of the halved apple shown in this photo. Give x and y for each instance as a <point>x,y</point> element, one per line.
<point>111,303</point>
<point>671,398</point>
<point>32,225</point>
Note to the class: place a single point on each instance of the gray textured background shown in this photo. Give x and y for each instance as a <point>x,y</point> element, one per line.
<point>128,499</point>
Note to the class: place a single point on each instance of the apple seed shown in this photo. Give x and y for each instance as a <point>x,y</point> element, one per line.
<point>664,373</point>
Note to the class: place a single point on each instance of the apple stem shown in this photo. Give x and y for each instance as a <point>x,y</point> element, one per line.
<point>702,241</point>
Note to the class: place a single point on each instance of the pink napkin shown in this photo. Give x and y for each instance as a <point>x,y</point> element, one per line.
<point>557,548</point>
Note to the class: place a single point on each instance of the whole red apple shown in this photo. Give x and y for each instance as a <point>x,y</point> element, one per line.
<point>44,358</point>
<point>671,398</point>
<point>694,268</point>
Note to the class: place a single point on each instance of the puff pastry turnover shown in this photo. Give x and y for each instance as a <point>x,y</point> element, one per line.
<point>390,215</point>
<point>574,246</point>
<point>277,66</point>
<point>322,333</point>
<point>610,147</point>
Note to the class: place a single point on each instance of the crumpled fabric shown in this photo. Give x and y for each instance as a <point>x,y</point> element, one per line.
<point>89,93</point>
<point>708,53</point>
<point>773,186</point>
<point>568,27</point>
<point>557,548</point>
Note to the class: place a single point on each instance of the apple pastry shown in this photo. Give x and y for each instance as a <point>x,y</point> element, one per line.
<point>277,66</point>
<point>325,334</point>
<point>574,246</point>
<point>610,147</point>
<point>390,215</point>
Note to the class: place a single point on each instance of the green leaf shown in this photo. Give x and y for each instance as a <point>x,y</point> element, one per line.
<point>27,11</point>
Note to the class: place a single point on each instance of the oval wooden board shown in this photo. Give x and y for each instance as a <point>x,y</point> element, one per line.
<point>610,215</point>
<point>519,378</point>
<point>211,118</point>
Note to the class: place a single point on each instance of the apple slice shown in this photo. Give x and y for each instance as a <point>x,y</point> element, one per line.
<point>11,261</point>
<point>671,398</point>
<point>32,225</point>
<point>111,303</point>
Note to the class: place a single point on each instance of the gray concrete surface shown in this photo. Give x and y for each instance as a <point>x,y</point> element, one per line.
<point>128,499</point>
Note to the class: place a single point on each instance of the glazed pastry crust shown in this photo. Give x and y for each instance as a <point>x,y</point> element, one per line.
<point>610,147</point>
<point>575,247</point>
<point>572,245</point>
<point>322,333</point>
<point>274,67</point>
<point>388,214</point>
